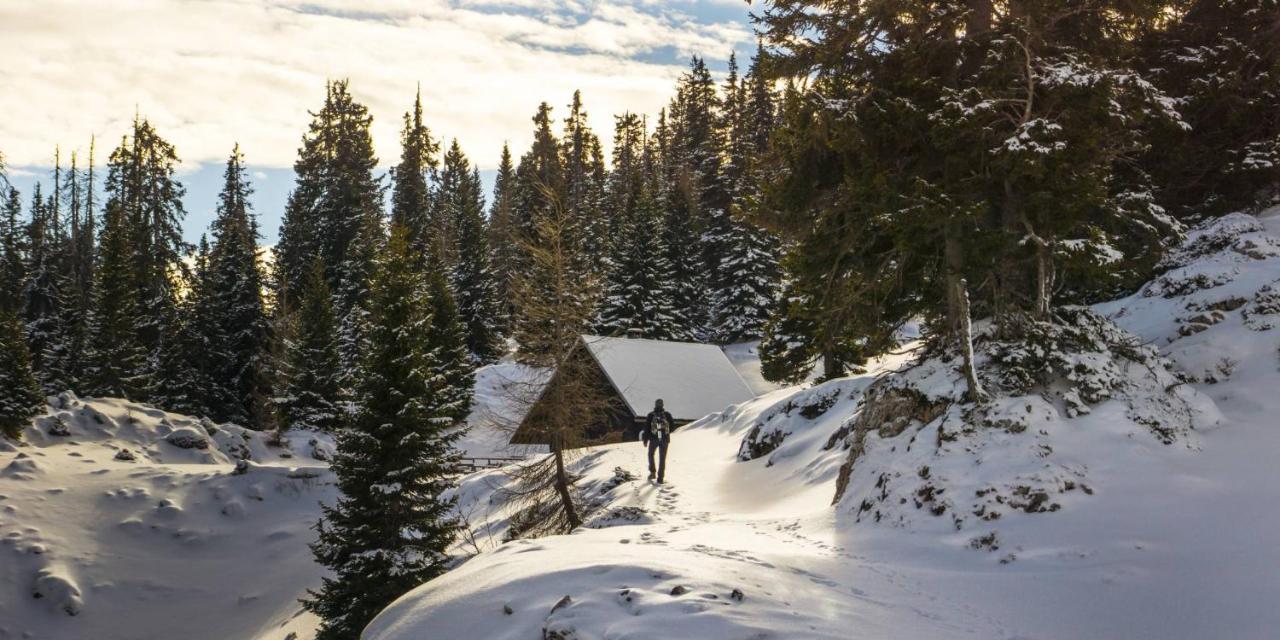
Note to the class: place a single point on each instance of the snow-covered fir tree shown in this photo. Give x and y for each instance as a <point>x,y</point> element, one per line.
<point>310,398</point>
<point>20,396</point>
<point>1002,143</point>
<point>503,235</point>
<point>63,361</point>
<point>471,278</point>
<point>1220,62</point>
<point>584,185</point>
<point>540,197</point>
<point>675,193</point>
<point>232,303</point>
<point>190,348</point>
<point>335,209</point>
<point>637,299</point>
<point>142,181</point>
<point>116,355</point>
<point>744,285</point>
<point>13,243</point>
<point>447,335</point>
<point>41,296</point>
<point>411,178</point>
<point>391,528</point>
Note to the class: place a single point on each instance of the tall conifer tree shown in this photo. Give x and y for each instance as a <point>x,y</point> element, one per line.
<point>20,396</point>
<point>411,190</point>
<point>471,279</point>
<point>116,355</point>
<point>392,527</point>
<point>233,303</point>
<point>310,397</point>
<point>503,236</point>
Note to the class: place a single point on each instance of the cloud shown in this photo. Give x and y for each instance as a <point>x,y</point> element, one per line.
<point>209,73</point>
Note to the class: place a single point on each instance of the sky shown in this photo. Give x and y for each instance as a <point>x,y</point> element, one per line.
<point>211,73</point>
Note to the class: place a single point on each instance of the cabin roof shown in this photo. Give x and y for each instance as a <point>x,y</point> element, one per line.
<point>692,379</point>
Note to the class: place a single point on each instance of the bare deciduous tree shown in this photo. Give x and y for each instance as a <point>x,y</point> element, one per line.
<point>554,296</point>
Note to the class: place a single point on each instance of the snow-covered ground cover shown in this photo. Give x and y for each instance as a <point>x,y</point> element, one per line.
<point>1133,496</point>
<point>1123,486</point>
<point>121,521</point>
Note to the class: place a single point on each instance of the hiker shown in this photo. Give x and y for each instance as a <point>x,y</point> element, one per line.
<point>656,436</point>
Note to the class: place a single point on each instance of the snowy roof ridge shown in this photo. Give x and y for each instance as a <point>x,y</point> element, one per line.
<point>692,378</point>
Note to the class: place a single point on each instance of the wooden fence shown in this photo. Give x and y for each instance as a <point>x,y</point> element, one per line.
<point>468,465</point>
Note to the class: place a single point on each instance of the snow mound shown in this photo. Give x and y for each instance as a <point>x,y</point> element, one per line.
<point>59,590</point>
<point>146,433</point>
<point>1072,393</point>
<point>139,523</point>
<point>600,589</point>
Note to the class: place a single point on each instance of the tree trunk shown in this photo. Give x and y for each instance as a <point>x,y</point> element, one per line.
<point>979,19</point>
<point>959,321</point>
<point>832,367</point>
<point>562,485</point>
<point>1044,280</point>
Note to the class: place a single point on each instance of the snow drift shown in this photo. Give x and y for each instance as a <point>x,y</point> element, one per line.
<point>118,520</point>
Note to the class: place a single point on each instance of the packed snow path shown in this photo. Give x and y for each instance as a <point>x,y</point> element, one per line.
<point>722,550</point>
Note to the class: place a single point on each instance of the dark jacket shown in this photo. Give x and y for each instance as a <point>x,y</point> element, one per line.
<point>648,427</point>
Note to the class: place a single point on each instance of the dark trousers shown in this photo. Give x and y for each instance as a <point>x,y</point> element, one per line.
<point>661,448</point>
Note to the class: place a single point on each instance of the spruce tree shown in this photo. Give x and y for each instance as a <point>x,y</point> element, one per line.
<point>335,212</point>
<point>455,369</point>
<point>968,155</point>
<point>190,348</point>
<point>540,184</point>
<point>391,528</point>
<point>233,304</point>
<point>20,396</point>
<point>116,355</point>
<point>637,297</point>
<point>676,196</point>
<point>681,242</point>
<point>411,191</point>
<point>503,237</point>
<point>584,183</point>
<point>141,179</point>
<point>310,395</point>
<point>540,200</point>
<point>1220,61</point>
<point>41,296</point>
<point>13,252</point>
<point>471,280</point>
<point>63,360</point>
<point>336,202</point>
<point>745,283</point>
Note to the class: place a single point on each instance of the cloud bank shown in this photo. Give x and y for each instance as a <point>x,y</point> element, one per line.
<point>209,73</point>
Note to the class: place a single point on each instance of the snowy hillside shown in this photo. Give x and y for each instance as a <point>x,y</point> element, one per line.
<point>121,521</point>
<point>1118,485</point>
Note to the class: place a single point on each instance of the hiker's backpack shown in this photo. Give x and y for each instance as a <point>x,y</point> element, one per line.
<point>660,428</point>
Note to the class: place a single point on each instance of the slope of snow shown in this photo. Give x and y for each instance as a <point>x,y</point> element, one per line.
<point>137,524</point>
<point>1158,517</point>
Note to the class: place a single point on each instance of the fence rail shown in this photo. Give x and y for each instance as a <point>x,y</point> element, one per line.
<point>468,465</point>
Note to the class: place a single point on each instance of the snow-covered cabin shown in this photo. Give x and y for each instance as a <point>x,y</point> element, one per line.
<point>692,379</point>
